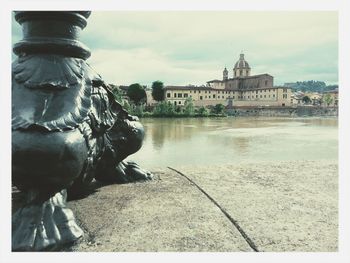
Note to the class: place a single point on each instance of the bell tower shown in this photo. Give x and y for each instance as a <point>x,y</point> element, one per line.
<point>225,74</point>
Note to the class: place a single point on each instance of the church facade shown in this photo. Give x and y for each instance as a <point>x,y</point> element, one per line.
<point>243,89</point>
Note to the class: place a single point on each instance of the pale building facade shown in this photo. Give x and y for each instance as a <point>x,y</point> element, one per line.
<point>241,90</point>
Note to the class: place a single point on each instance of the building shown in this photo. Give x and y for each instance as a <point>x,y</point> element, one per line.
<point>315,97</point>
<point>242,89</point>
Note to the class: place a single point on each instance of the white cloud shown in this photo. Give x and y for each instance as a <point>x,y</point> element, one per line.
<point>193,47</point>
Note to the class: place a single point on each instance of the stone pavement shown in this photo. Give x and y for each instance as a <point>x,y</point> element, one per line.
<point>291,206</point>
<point>279,207</point>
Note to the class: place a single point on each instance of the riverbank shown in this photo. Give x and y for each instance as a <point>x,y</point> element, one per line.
<point>284,206</point>
<point>301,111</point>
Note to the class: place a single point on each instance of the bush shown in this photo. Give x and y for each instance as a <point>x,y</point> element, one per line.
<point>164,109</point>
<point>189,107</point>
<point>203,111</point>
<point>218,109</point>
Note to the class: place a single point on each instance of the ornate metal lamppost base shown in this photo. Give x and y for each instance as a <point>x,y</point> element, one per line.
<point>67,129</point>
<point>44,225</point>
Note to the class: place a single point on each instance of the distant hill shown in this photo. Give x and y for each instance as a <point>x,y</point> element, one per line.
<point>310,86</point>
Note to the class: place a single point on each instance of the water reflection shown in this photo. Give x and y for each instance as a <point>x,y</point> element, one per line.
<point>208,141</point>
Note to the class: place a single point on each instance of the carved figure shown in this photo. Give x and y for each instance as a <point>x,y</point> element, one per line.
<point>66,129</point>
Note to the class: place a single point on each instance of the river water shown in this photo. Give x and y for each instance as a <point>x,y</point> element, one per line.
<point>207,141</point>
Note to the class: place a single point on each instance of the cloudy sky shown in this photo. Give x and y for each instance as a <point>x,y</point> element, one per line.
<point>182,48</point>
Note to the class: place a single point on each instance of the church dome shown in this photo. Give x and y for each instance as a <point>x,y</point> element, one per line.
<point>241,63</point>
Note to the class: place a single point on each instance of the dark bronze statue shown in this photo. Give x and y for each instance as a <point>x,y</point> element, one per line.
<point>67,129</point>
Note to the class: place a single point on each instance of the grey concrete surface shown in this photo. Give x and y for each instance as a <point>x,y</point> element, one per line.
<point>289,206</point>
<point>167,214</point>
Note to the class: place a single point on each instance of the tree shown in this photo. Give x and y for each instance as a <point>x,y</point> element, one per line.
<point>202,111</point>
<point>218,109</point>
<point>158,90</point>
<point>189,107</point>
<point>306,99</point>
<point>136,93</point>
<point>328,99</point>
<point>116,92</point>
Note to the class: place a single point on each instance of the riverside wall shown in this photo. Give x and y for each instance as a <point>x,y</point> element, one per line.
<point>301,111</point>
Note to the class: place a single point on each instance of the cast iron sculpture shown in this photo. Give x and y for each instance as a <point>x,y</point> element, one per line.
<point>66,129</point>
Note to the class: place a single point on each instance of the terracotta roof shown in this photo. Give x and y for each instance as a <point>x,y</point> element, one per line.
<point>188,88</point>
<point>209,88</point>
<point>214,80</point>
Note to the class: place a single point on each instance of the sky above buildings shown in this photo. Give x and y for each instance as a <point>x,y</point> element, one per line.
<point>181,48</point>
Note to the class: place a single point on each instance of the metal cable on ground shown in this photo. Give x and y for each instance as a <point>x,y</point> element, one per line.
<point>234,222</point>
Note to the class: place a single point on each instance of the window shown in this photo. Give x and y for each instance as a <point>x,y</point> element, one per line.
<point>264,96</point>
<point>185,95</point>
<point>213,96</point>
<point>190,91</point>
<point>174,95</point>
<point>273,95</point>
<point>194,91</point>
<point>256,96</point>
<point>179,95</point>
<point>199,91</point>
<point>205,91</point>
<point>209,92</point>
<point>175,103</point>
<point>241,72</point>
<point>205,96</point>
<point>168,95</point>
<point>284,90</point>
<point>179,102</point>
<point>247,72</point>
<point>256,92</point>
<point>209,97</point>
<point>265,82</point>
<point>200,97</point>
<point>233,97</point>
<point>260,96</point>
<point>285,96</point>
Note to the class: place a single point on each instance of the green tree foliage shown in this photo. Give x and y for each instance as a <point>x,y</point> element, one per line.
<point>158,90</point>
<point>328,99</point>
<point>306,99</point>
<point>218,109</point>
<point>116,92</point>
<point>310,86</point>
<point>189,107</point>
<point>136,93</point>
<point>164,109</point>
<point>126,106</point>
<point>203,111</point>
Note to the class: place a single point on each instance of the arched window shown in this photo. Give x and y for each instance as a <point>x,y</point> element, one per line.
<point>241,72</point>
